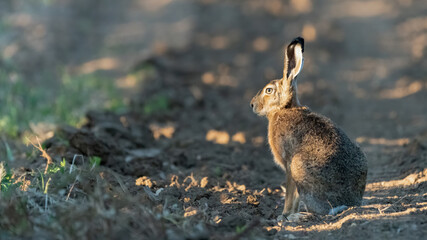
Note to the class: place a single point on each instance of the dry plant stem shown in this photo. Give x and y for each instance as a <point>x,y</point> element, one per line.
<point>71,189</point>
<point>381,211</point>
<point>44,153</point>
<point>46,193</point>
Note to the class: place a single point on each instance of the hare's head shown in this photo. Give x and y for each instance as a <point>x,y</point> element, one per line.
<point>282,93</point>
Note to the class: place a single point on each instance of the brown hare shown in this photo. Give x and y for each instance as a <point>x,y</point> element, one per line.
<point>324,169</point>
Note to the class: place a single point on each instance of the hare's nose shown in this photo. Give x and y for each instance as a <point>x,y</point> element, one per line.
<point>252,105</point>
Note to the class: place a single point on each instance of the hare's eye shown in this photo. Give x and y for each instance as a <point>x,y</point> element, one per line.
<point>268,90</point>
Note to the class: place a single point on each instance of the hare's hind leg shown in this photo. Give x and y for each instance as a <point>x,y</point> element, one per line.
<point>315,204</point>
<point>320,206</point>
<point>292,196</point>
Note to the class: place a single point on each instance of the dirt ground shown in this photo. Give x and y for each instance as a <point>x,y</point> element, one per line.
<point>203,164</point>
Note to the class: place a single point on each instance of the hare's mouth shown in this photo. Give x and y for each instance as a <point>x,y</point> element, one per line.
<point>258,110</point>
<point>255,111</point>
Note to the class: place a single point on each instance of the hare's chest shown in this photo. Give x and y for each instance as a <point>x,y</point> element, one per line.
<point>282,149</point>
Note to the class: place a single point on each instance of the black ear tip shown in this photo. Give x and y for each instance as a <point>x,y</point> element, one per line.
<point>297,40</point>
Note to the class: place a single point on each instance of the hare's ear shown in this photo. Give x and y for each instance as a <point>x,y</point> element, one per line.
<point>293,59</point>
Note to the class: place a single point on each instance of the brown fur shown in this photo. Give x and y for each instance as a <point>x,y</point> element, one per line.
<point>324,168</point>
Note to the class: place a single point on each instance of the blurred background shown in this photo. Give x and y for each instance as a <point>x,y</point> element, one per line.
<point>364,59</point>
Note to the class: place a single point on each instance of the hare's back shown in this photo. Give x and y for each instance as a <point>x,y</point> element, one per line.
<point>317,137</point>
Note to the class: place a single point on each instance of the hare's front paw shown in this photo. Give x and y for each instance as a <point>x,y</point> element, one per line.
<point>282,218</point>
<point>293,217</point>
<point>296,217</point>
